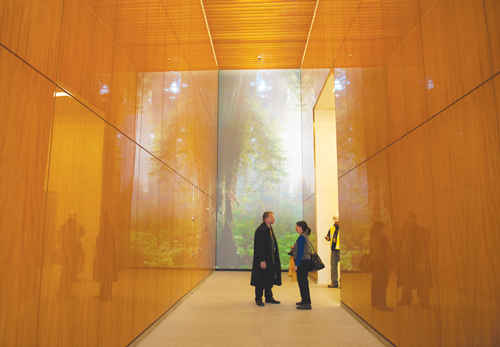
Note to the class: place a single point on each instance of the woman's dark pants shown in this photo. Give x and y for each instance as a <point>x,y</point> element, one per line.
<point>302,273</point>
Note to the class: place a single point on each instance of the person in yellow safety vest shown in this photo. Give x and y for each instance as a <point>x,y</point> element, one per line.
<point>333,237</point>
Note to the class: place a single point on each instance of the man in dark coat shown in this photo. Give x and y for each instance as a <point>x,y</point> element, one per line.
<point>266,267</point>
<point>413,262</point>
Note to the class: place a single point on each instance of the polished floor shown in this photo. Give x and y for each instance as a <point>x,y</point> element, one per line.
<point>222,312</point>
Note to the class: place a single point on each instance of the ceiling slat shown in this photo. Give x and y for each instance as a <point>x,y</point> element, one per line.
<point>242,30</point>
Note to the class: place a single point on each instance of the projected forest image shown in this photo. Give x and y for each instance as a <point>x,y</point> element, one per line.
<point>259,161</point>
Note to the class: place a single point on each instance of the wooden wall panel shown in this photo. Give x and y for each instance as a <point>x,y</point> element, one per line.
<point>341,101</point>
<point>496,87</point>
<point>418,108</point>
<point>330,26</point>
<point>130,145</point>
<point>198,233</point>
<point>456,56</point>
<point>152,98</point>
<point>112,276</point>
<point>360,227</point>
<point>462,131</point>
<point>85,56</point>
<point>376,110</point>
<point>400,18</point>
<point>356,117</point>
<point>191,124</point>
<point>410,172</point>
<point>164,152</point>
<point>406,87</point>
<point>183,211</point>
<point>492,9</point>
<point>27,106</point>
<point>466,201</point>
<point>181,126</point>
<point>374,77</point>
<point>207,82</point>
<point>123,104</point>
<point>164,298</point>
<point>31,30</point>
<point>144,236</point>
<point>68,311</point>
<point>380,209</point>
<point>345,210</point>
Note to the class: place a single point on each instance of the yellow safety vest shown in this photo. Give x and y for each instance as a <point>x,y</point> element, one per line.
<point>332,233</point>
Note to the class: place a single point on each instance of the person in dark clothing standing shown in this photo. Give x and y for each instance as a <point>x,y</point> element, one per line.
<point>266,266</point>
<point>413,262</point>
<point>302,260</point>
<point>333,237</point>
<point>381,265</point>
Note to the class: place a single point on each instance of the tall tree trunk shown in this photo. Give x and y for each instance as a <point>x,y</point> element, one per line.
<point>230,148</point>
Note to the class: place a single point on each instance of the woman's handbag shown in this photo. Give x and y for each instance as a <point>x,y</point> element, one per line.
<point>316,263</point>
<point>365,262</point>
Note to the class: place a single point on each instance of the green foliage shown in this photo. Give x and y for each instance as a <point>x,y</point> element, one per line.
<point>151,250</point>
<point>252,162</point>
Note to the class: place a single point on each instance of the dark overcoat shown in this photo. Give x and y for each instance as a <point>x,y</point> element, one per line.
<point>412,249</point>
<point>263,251</point>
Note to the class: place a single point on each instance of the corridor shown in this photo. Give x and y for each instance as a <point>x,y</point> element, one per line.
<point>222,312</point>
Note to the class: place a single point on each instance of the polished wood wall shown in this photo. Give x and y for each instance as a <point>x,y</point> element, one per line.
<point>329,27</point>
<point>108,166</point>
<point>417,107</point>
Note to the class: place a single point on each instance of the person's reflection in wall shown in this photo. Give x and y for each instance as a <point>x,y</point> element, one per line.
<point>381,265</point>
<point>413,263</point>
<point>73,257</point>
<point>104,267</point>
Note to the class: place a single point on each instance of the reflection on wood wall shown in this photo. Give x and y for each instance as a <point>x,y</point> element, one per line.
<point>417,107</point>
<point>107,214</point>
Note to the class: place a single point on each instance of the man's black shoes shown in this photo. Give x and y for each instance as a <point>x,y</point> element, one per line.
<point>272,301</point>
<point>299,303</point>
<point>304,307</point>
<point>259,302</point>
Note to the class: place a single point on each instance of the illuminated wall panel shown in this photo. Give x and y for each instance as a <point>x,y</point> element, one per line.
<point>32,30</point>
<point>27,100</point>
<point>259,166</point>
<point>417,120</point>
<point>109,149</point>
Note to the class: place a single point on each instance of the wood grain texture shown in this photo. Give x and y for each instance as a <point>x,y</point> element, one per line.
<point>68,315</point>
<point>31,30</point>
<point>86,55</point>
<point>422,117</point>
<point>242,31</point>
<point>27,105</point>
<point>459,135</point>
<point>456,56</point>
<point>492,9</point>
<point>113,211</point>
<point>331,24</point>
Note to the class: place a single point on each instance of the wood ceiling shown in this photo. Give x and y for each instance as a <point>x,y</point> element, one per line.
<point>243,30</point>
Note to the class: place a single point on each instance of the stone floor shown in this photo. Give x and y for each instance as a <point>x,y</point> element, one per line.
<point>222,312</point>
